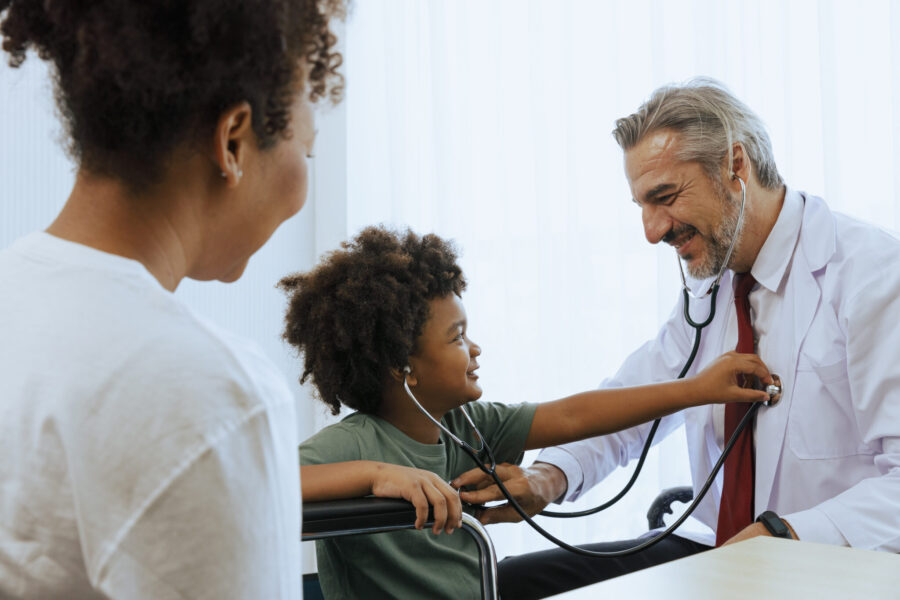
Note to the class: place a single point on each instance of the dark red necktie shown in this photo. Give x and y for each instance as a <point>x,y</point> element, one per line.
<point>736,509</point>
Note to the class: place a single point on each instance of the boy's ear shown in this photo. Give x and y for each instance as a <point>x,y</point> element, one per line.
<point>398,374</point>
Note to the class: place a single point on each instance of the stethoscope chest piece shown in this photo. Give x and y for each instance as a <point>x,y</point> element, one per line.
<point>774,391</point>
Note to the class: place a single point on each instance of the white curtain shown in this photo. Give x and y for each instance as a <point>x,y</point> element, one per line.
<point>489,123</point>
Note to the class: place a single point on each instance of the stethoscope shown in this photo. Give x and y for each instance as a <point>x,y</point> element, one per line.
<point>489,467</point>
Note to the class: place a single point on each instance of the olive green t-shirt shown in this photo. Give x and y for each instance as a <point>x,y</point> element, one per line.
<point>411,563</point>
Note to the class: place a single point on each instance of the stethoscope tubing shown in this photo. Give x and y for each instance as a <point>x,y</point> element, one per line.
<point>491,470</point>
<point>649,441</point>
<point>698,328</point>
<point>747,418</point>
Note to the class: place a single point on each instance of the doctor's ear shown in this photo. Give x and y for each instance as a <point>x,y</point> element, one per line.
<point>740,164</point>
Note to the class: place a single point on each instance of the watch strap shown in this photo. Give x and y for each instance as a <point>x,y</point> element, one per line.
<point>774,524</point>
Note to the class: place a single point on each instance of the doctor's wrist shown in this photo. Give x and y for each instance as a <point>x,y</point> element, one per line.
<point>552,484</point>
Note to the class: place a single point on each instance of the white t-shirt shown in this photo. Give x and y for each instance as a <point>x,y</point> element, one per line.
<point>144,453</point>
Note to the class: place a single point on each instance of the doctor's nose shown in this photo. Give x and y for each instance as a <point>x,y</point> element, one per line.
<point>656,223</point>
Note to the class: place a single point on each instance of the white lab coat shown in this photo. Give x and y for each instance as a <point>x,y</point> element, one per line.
<point>827,456</point>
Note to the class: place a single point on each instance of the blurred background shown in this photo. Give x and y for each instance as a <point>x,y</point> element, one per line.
<point>489,123</point>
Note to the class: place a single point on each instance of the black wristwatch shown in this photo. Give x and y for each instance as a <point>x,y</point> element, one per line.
<point>774,524</point>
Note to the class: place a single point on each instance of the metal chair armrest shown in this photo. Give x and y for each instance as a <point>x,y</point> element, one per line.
<point>355,516</point>
<point>359,516</point>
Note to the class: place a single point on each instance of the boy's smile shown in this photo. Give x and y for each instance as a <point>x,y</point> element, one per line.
<point>444,365</point>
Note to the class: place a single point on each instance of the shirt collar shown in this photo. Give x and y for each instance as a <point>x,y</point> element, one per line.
<point>773,259</point>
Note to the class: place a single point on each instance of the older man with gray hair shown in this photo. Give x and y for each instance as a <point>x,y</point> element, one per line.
<point>815,293</point>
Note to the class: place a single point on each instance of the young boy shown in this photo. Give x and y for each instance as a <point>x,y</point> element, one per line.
<point>389,301</point>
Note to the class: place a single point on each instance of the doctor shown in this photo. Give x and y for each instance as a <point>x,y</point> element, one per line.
<point>824,308</point>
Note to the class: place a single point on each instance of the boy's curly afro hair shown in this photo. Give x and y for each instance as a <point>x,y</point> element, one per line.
<point>358,314</point>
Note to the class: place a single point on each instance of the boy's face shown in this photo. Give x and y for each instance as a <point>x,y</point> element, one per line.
<point>444,364</point>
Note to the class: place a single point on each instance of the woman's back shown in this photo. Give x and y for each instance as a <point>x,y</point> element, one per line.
<point>129,423</point>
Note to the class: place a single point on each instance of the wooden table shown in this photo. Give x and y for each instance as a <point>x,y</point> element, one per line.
<point>761,568</point>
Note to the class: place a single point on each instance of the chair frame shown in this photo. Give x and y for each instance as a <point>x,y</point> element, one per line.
<point>363,516</point>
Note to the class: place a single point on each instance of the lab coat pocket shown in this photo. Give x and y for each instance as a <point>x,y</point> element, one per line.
<point>821,423</point>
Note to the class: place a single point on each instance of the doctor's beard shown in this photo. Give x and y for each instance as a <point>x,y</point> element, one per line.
<point>718,242</point>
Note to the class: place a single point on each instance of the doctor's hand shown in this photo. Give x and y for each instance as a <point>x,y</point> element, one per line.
<point>423,489</point>
<point>721,380</point>
<point>534,488</point>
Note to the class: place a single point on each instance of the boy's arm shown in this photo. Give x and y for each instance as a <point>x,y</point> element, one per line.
<point>358,478</point>
<point>599,412</point>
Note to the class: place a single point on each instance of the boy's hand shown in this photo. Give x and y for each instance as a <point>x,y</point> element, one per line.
<point>722,380</point>
<point>423,489</point>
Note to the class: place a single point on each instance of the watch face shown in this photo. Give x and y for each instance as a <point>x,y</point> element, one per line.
<point>774,524</point>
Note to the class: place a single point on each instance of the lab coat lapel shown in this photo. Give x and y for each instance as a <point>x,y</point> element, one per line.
<point>814,248</point>
<point>771,422</point>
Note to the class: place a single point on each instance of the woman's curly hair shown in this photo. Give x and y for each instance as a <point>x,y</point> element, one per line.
<point>136,79</point>
<point>359,313</point>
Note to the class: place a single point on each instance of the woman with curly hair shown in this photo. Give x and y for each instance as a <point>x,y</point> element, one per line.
<point>147,453</point>
<point>389,301</point>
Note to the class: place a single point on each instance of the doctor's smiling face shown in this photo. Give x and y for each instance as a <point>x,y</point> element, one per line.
<point>681,203</point>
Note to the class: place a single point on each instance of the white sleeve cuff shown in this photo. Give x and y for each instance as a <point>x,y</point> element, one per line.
<point>813,525</point>
<point>570,467</point>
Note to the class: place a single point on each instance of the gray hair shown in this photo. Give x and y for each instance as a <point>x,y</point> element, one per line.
<point>710,120</point>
